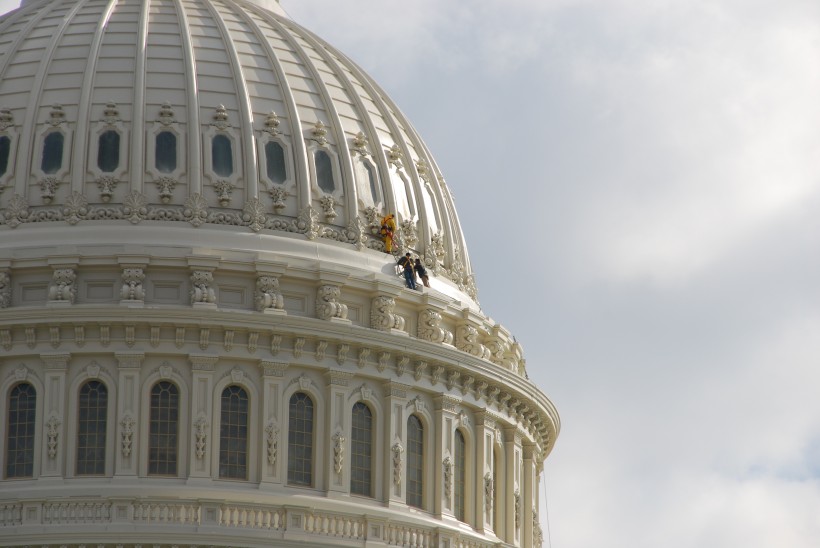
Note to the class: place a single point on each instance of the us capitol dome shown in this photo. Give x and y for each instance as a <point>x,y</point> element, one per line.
<point>202,339</point>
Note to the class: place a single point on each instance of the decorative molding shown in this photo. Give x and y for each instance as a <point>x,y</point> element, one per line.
<point>327,303</point>
<point>129,361</point>
<point>5,289</point>
<point>382,316</point>
<point>273,369</point>
<point>401,365</point>
<point>132,289</point>
<point>298,344</point>
<point>338,378</point>
<point>421,367</point>
<point>397,449</point>
<point>328,204</point>
<point>63,286</point>
<point>127,433</point>
<point>447,466</point>
<point>321,346</point>
<point>429,327</point>
<point>201,435</point>
<point>467,341</point>
<point>489,494</point>
<point>203,363</point>
<point>201,290</point>
<point>517,508</point>
<point>53,435</point>
<point>272,441</point>
<point>253,339</point>
<point>384,357</point>
<point>363,355</point>
<point>341,353</point>
<point>338,451</point>
<point>268,296</point>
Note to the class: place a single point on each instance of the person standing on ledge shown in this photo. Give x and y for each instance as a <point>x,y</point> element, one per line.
<point>409,276</point>
<point>422,273</point>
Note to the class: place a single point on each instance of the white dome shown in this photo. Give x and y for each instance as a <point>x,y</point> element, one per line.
<point>202,340</point>
<point>341,153</point>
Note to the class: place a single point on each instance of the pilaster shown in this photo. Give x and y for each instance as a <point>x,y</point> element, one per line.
<point>128,411</point>
<point>54,413</point>
<point>202,372</point>
<point>444,462</point>
<point>395,450</point>
<point>273,455</point>
<point>337,418</point>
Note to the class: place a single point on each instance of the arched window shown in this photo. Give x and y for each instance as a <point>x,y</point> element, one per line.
<point>108,151</point>
<point>459,475</point>
<point>165,152</point>
<point>20,433</point>
<point>415,462</point>
<point>163,437</point>
<point>92,424</point>
<point>300,440</point>
<point>324,171</point>
<point>52,159</point>
<point>222,156</point>
<point>5,151</point>
<point>275,161</point>
<point>361,451</point>
<point>233,434</point>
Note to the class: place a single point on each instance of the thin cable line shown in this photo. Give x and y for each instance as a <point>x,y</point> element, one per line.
<point>547,511</point>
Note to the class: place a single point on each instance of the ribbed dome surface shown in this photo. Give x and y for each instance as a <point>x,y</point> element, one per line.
<point>209,113</point>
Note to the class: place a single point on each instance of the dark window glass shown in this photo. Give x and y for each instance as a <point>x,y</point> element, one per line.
<point>275,160</point>
<point>163,429</point>
<point>20,433</point>
<point>52,153</point>
<point>371,178</point>
<point>165,152</point>
<point>361,451</point>
<point>91,429</point>
<point>324,171</point>
<point>233,434</point>
<point>222,156</point>
<point>300,440</point>
<point>108,151</point>
<point>459,476</point>
<point>415,461</point>
<point>5,150</point>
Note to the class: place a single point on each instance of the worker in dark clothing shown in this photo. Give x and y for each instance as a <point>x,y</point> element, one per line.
<point>421,272</point>
<point>409,276</point>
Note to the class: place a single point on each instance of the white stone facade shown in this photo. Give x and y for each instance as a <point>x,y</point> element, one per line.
<point>167,328</point>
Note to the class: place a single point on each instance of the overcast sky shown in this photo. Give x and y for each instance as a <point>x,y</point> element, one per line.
<point>639,183</point>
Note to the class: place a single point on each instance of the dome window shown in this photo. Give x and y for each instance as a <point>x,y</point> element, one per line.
<point>460,476</point>
<point>5,151</point>
<point>108,151</point>
<point>324,171</point>
<point>222,156</point>
<point>91,427</point>
<point>415,462</point>
<point>20,437</point>
<point>233,434</point>
<point>52,159</point>
<point>300,440</point>
<point>275,162</point>
<point>165,153</point>
<point>163,429</point>
<point>361,451</point>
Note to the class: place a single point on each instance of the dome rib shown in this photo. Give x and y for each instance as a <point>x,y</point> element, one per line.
<point>248,147</point>
<point>81,137</point>
<point>138,109</point>
<point>30,122</point>
<point>193,123</point>
<point>301,161</point>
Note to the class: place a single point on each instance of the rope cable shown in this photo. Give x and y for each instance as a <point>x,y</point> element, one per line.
<point>547,511</point>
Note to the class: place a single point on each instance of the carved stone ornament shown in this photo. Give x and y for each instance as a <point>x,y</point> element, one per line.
<point>430,330</point>
<point>6,119</point>
<point>253,213</point>
<point>447,466</point>
<point>5,289</point>
<point>56,116</point>
<point>517,508</point>
<point>328,208</point>
<point>221,118</point>
<point>92,370</point>
<point>318,133</point>
<point>409,234</point>
<point>359,144</point>
<point>201,290</point>
<point>537,532</point>
<point>423,170</point>
<point>53,435</point>
<point>63,285</point>
<point>277,196</point>
<point>48,188</point>
<point>397,449</point>
<point>364,353</point>
<point>165,187</point>
<point>382,316</point>
<point>223,190</point>
<point>201,435</point>
<point>76,208</point>
<point>327,303</point>
<point>127,424</point>
<point>338,452</point>
<point>135,207</point>
<point>166,114</point>
<point>307,223</point>
<point>268,294</point>
<point>107,184</point>
<point>304,381</point>
<point>394,156</point>
<point>272,442</point>
<point>452,377</point>
<point>132,289</point>
<point>196,210</point>
<point>467,341</point>
<point>272,124</point>
<point>17,211</point>
<point>489,493</point>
